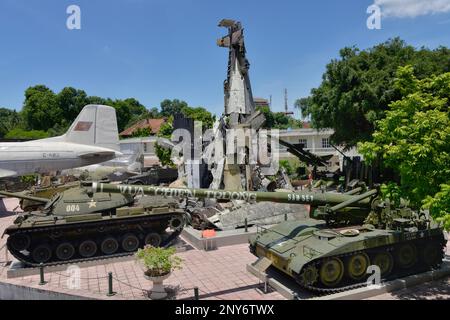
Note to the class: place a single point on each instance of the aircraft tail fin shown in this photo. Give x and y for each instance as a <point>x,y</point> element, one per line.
<point>95,125</point>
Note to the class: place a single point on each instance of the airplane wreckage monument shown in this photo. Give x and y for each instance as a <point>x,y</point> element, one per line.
<point>94,221</point>
<point>237,152</point>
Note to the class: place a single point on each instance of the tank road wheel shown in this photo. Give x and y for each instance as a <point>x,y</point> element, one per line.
<point>356,266</point>
<point>153,239</point>
<point>432,254</point>
<point>331,272</point>
<point>385,262</point>
<point>109,246</point>
<point>65,251</point>
<point>406,255</point>
<point>308,276</point>
<point>130,242</point>
<point>42,253</point>
<point>20,242</point>
<point>87,248</point>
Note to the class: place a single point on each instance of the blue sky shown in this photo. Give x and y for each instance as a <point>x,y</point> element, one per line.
<point>157,49</point>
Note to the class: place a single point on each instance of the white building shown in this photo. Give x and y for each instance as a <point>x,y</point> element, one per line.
<point>144,146</point>
<point>314,141</point>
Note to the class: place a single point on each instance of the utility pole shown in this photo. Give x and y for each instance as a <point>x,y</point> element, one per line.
<point>285,101</point>
<point>286,109</point>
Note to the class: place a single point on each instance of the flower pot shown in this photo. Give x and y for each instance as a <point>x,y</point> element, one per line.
<point>158,291</point>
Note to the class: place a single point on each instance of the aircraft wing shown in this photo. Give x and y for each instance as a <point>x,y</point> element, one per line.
<point>90,155</point>
<point>7,173</point>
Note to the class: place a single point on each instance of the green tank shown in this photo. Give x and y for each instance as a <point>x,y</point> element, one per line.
<point>345,235</point>
<point>77,225</point>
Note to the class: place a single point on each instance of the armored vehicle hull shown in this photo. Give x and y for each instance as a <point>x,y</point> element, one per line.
<point>154,176</point>
<point>76,226</point>
<point>331,260</point>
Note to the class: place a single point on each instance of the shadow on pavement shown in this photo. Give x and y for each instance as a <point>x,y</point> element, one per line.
<point>434,290</point>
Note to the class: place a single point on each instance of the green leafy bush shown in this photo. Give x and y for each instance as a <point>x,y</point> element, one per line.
<point>158,261</point>
<point>439,205</point>
<point>392,192</point>
<point>287,166</point>
<point>24,134</point>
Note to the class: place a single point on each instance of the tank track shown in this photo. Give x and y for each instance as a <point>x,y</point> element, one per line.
<point>396,273</point>
<point>47,231</point>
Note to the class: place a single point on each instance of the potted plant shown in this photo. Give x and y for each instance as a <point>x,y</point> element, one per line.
<point>158,264</point>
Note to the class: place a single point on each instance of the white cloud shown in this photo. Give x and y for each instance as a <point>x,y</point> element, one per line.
<point>412,8</point>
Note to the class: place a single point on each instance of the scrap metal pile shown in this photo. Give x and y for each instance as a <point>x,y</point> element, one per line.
<point>234,148</point>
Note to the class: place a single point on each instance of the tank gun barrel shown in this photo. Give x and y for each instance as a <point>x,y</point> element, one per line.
<point>354,199</point>
<point>22,196</point>
<point>311,198</point>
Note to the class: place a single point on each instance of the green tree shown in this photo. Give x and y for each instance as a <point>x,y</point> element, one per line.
<point>357,88</point>
<point>96,100</point>
<point>142,132</point>
<point>127,111</point>
<point>18,133</point>
<point>154,113</point>
<point>136,108</point>
<point>414,139</point>
<point>172,107</point>
<point>164,154</point>
<point>71,101</point>
<point>287,166</point>
<point>166,130</point>
<point>268,114</point>
<point>278,120</point>
<point>46,111</point>
<point>439,205</point>
<point>9,119</point>
<point>41,110</point>
<point>199,114</point>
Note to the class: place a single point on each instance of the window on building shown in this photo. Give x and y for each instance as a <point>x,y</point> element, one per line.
<point>326,143</point>
<point>303,143</point>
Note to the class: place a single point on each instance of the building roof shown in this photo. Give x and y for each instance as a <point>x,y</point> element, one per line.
<point>153,124</point>
<point>260,100</point>
<point>306,125</point>
<point>305,132</point>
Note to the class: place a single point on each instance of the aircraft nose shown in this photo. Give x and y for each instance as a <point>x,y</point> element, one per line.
<point>118,154</point>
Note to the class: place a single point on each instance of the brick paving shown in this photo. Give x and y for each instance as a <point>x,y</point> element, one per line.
<point>219,274</point>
